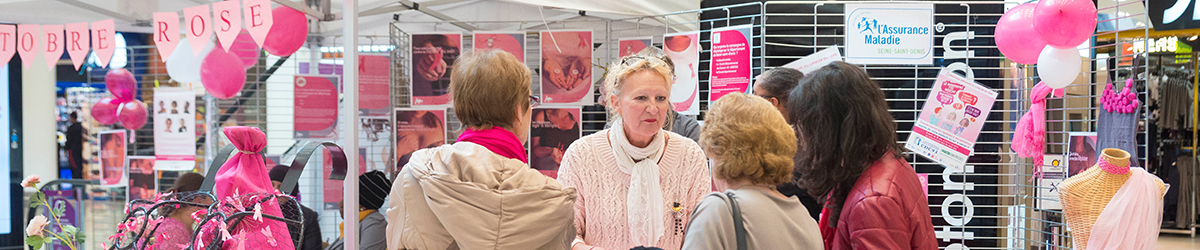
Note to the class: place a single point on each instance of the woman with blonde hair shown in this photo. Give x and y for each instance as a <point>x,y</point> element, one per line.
<point>637,183</point>
<point>751,148</point>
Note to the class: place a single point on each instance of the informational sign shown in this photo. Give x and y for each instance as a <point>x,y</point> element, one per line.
<point>511,42</point>
<point>889,34</point>
<point>951,119</point>
<point>1053,172</point>
<point>684,51</point>
<point>1082,152</point>
<point>174,129</point>
<point>316,107</point>
<point>417,129</point>
<point>112,158</point>
<point>374,77</point>
<point>551,132</point>
<point>812,62</point>
<point>62,200</point>
<point>731,65</point>
<point>143,180</point>
<point>375,143</point>
<point>566,67</point>
<point>433,56</point>
<point>633,45</point>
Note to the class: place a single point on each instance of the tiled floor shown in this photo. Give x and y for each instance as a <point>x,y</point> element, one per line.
<point>1177,241</point>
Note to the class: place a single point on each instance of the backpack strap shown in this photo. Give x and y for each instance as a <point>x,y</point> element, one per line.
<point>739,226</point>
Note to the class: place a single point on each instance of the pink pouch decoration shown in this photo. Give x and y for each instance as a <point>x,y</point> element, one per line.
<point>1029,139</point>
<point>245,173</point>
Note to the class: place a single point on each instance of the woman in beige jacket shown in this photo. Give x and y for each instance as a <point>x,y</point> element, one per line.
<point>480,193</point>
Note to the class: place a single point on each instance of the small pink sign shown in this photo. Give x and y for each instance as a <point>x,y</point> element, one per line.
<point>8,45</point>
<point>228,17</point>
<point>199,26</point>
<point>258,19</point>
<point>166,33</point>
<point>316,106</point>
<point>731,64</point>
<point>924,183</point>
<point>373,81</point>
<point>103,43</point>
<point>28,40</point>
<point>77,43</point>
<point>53,35</point>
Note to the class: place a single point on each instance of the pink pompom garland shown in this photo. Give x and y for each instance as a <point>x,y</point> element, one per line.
<point>1124,102</point>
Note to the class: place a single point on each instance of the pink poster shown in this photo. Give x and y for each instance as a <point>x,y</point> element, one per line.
<point>511,42</point>
<point>731,64</point>
<point>112,157</point>
<point>316,107</point>
<point>951,120</point>
<point>433,56</point>
<point>684,51</point>
<point>332,188</point>
<point>374,97</point>
<point>550,132</point>
<point>566,67</point>
<point>417,129</point>
<point>142,182</point>
<point>633,45</point>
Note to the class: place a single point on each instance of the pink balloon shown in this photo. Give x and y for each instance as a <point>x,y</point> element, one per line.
<point>105,110</point>
<point>288,33</point>
<point>244,48</point>
<point>121,83</point>
<point>133,114</point>
<point>222,74</point>
<point>1064,23</point>
<point>1015,35</point>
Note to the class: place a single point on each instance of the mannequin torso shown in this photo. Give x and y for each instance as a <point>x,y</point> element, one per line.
<point>1086,194</point>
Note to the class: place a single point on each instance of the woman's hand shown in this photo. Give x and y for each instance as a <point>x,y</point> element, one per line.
<point>406,145</point>
<point>431,66</point>
<point>555,70</point>
<point>558,156</point>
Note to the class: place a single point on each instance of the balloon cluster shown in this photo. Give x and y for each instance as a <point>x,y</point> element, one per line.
<point>121,106</point>
<point>1047,33</point>
<point>223,72</point>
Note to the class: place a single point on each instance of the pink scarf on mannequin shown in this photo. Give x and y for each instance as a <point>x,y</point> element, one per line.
<point>1029,141</point>
<point>246,173</point>
<point>498,140</point>
<point>1132,218</point>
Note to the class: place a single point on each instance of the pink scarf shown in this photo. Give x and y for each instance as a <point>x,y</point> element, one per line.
<point>497,140</point>
<point>1029,139</point>
<point>1132,218</point>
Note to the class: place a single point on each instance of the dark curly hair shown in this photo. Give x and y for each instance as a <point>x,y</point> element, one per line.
<point>843,126</point>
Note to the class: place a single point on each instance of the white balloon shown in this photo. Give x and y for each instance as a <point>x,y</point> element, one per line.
<point>184,66</point>
<point>1059,67</point>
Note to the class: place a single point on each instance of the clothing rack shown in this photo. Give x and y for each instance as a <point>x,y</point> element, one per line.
<point>1178,134</point>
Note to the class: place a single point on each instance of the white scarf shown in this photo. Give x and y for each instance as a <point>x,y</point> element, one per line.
<point>644,207</point>
<point>1132,218</point>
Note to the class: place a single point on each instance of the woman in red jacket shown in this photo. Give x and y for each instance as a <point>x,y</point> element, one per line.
<point>848,154</point>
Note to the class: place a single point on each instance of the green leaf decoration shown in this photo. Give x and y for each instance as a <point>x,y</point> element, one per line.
<point>33,241</point>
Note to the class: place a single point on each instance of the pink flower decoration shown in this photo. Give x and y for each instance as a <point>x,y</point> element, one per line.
<point>31,181</point>
<point>36,225</point>
<point>270,238</point>
<point>258,212</point>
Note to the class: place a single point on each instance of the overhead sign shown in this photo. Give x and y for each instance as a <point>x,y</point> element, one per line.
<point>1173,14</point>
<point>889,34</point>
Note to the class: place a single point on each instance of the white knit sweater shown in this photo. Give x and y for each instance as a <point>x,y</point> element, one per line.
<point>590,166</point>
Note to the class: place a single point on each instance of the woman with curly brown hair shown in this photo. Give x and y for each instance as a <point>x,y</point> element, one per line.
<point>848,155</point>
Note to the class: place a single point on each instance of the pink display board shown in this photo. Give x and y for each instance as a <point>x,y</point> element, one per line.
<point>316,107</point>
<point>433,56</point>
<point>731,64</point>
<point>566,66</point>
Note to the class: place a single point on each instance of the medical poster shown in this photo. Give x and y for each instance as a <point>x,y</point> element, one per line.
<point>551,131</point>
<point>951,120</point>
<point>731,63</point>
<point>143,182</point>
<point>374,79</point>
<point>1081,152</point>
<point>375,143</point>
<point>433,56</point>
<point>684,51</point>
<point>1054,171</point>
<point>316,107</point>
<point>174,129</point>
<point>633,45</point>
<point>893,34</point>
<point>566,69</point>
<point>511,42</point>
<point>112,158</point>
<point>417,129</point>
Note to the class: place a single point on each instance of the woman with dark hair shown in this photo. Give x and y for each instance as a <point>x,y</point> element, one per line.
<point>848,156</point>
